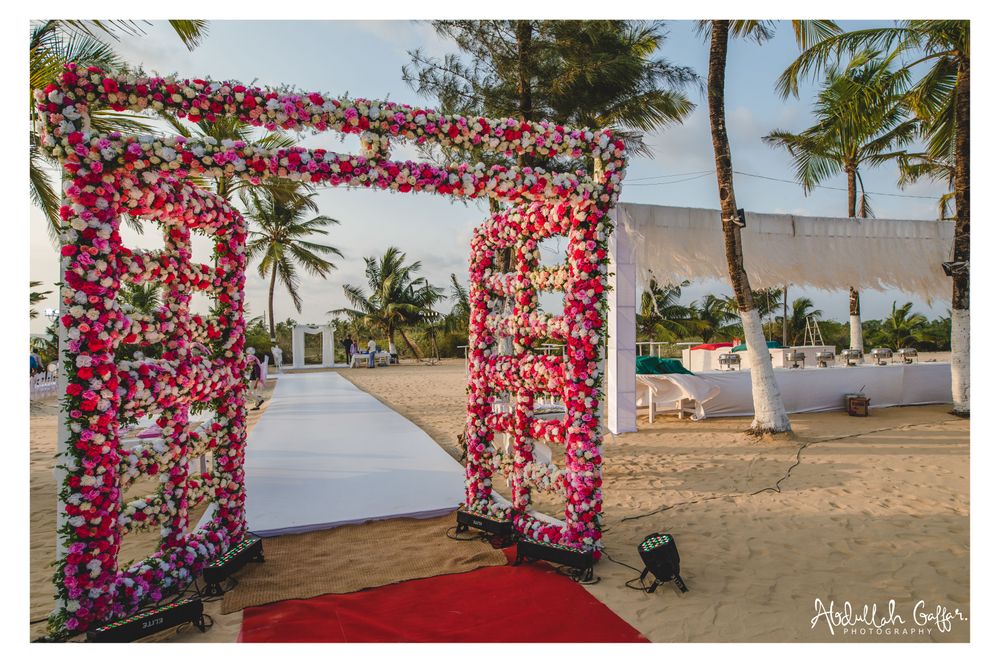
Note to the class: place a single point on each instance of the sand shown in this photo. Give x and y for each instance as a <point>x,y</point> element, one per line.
<point>876,510</point>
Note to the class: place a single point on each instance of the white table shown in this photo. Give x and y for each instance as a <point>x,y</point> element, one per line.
<point>359,359</point>
<point>728,394</point>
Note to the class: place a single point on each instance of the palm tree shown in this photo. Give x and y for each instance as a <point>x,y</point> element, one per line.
<point>914,167</point>
<point>902,329</point>
<point>768,300</point>
<point>397,297</point>
<point>936,334</point>
<point>35,297</point>
<point>606,77</point>
<point>940,99</point>
<point>861,121</point>
<point>143,298</point>
<point>769,411</point>
<point>279,240</point>
<point>458,318</point>
<point>55,43</point>
<point>712,317</point>
<point>661,316</point>
<point>802,310</point>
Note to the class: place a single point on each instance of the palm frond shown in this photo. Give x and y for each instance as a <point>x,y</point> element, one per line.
<point>191,31</point>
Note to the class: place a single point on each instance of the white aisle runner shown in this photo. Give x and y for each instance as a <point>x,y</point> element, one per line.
<point>325,453</point>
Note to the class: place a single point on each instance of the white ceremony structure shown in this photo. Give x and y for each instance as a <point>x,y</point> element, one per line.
<point>671,244</point>
<point>299,345</point>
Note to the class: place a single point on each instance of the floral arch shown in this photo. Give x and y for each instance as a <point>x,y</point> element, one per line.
<point>202,359</point>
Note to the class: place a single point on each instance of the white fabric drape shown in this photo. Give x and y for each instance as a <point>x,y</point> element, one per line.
<point>676,243</point>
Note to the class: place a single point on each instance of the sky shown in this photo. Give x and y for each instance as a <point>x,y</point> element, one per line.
<point>364,59</point>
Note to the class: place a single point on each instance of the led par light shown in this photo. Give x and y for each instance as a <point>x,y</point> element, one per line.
<point>149,622</point>
<point>501,528</point>
<point>659,554</point>
<point>250,549</point>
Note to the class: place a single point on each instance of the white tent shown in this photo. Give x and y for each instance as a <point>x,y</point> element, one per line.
<point>299,344</point>
<point>675,243</point>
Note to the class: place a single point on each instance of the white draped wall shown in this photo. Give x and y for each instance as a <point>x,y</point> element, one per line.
<point>676,243</point>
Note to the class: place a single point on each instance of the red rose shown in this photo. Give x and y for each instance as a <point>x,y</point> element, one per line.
<point>74,389</point>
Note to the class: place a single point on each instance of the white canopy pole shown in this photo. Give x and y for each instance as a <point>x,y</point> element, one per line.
<point>620,375</point>
<point>328,360</point>
<point>299,347</point>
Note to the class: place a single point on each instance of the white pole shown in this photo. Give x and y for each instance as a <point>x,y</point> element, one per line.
<point>298,347</point>
<point>620,376</point>
<point>328,346</point>
<point>62,431</point>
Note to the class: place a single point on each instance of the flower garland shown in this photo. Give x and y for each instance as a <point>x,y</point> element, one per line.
<point>575,378</point>
<point>103,390</point>
<point>62,113</point>
<point>202,360</point>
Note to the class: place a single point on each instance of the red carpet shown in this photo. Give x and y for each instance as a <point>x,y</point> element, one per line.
<point>528,603</point>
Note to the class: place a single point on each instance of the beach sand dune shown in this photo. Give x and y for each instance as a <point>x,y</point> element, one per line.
<point>875,510</point>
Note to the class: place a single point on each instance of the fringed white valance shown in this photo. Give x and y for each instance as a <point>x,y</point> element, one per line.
<point>676,243</point>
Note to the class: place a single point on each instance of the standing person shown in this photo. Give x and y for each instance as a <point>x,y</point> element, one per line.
<point>393,355</point>
<point>372,349</point>
<point>347,344</point>
<point>256,384</point>
<point>277,354</point>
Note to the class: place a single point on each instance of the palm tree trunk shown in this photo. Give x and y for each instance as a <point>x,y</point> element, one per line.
<point>852,191</point>
<point>857,340</point>
<point>270,302</point>
<point>409,344</point>
<point>769,411</point>
<point>960,320</point>
<point>784,315</point>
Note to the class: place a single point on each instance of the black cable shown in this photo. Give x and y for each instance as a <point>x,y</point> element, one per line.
<point>577,575</point>
<point>628,583</point>
<point>477,536</point>
<point>776,488</point>
<point>643,588</point>
<point>615,561</point>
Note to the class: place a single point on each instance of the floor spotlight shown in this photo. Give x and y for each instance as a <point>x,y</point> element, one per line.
<point>659,554</point>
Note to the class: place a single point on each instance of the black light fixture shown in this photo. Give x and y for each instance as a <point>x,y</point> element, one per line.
<point>740,220</point>
<point>150,622</point>
<point>659,554</point>
<point>250,549</point>
<point>957,268</point>
<point>467,520</point>
<point>582,562</point>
